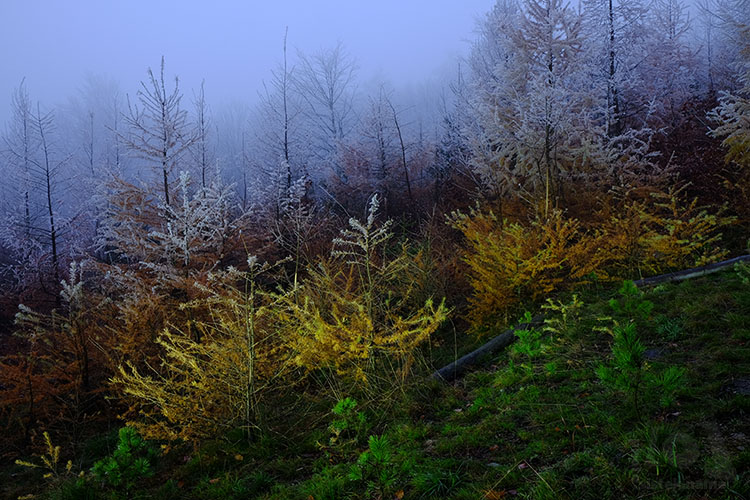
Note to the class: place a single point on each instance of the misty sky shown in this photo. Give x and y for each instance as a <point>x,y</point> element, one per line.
<point>232,44</point>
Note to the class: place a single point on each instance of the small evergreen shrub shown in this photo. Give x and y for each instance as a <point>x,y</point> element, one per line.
<point>131,462</point>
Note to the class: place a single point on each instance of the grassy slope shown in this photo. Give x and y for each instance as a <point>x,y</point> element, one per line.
<point>534,422</point>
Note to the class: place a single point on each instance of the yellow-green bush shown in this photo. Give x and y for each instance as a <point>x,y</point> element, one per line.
<point>513,262</point>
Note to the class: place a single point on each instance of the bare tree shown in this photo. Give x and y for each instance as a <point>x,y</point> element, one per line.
<point>116,137</point>
<point>325,83</point>
<point>45,169</point>
<point>19,145</point>
<point>88,122</point>
<point>279,113</point>
<point>403,149</point>
<point>231,123</point>
<point>202,151</point>
<point>159,132</point>
<point>378,136</point>
<point>35,235</point>
<point>88,143</point>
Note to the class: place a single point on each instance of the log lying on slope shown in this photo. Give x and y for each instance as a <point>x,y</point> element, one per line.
<point>695,272</point>
<point>457,368</point>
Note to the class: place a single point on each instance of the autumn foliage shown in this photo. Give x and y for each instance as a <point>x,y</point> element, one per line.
<point>510,262</point>
<point>190,313</point>
<point>216,372</point>
<point>355,311</point>
<point>513,262</point>
<point>248,342</point>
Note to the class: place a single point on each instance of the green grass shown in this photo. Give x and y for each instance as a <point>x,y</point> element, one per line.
<point>534,422</point>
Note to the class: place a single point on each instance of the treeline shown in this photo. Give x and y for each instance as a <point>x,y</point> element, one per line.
<point>196,280</point>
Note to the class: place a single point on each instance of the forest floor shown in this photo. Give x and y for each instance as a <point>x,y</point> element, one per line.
<point>620,395</point>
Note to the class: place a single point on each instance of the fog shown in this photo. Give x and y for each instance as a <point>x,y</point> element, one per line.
<point>233,45</point>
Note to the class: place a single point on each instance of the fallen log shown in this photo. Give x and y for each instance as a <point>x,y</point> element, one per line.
<point>454,370</point>
<point>691,273</point>
<point>457,368</point>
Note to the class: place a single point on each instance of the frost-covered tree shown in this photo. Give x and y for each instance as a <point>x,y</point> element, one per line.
<point>668,67</point>
<point>33,221</point>
<point>159,132</point>
<point>296,223</point>
<point>44,171</point>
<point>493,50</point>
<point>555,107</point>
<point>451,155</point>
<point>483,105</point>
<point>615,33</point>
<point>533,114</point>
<point>232,152</point>
<point>725,24</point>
<point>733,113</point>
<point>189,233</point>
<point>383,148</point>
<point>709,25</point>
<point>197,226</point>
<point>458,126</point>
<point>87,128</point>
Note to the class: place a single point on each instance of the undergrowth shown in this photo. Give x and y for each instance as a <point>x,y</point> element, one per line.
<point>621,393</point>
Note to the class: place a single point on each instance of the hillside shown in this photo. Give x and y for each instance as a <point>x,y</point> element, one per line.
<point>621,394</point>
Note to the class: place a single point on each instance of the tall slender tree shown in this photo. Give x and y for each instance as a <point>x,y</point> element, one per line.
<point>46,170</point>
<point>20,144</point>
<point>159,132</point>
<point>533,115</point>
<point>202,149</point>
<point>279,112</point>
<point>614,31</point>
<point>668,67</point>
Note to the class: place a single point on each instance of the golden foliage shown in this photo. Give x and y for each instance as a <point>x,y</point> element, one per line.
<point>337,331</point>
<point>242,343</point>
<point>511,262</point>
<point>356,310</point>
<point>215,373</point>
<point>50,459</point>
<point>665,232</point>
<point>138,312</point>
